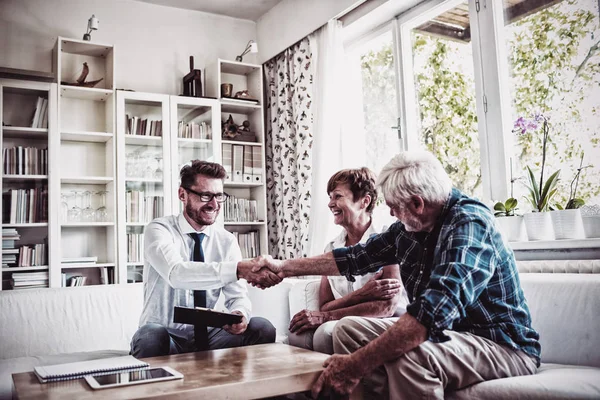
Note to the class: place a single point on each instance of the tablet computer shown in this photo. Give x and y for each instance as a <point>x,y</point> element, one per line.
<point>204,316</point>
<point>153,374</point>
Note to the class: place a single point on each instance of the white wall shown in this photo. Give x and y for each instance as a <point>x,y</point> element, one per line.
<point>291,20</point>
<point>152,43</point>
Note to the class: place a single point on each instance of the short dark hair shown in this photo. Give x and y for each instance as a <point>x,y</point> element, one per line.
<point>361,182</point>
<point>209,169</point>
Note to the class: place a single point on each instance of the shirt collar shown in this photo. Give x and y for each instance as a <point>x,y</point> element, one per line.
<point>455,194</point>
<point>186,228</point>
<point>340,240</point>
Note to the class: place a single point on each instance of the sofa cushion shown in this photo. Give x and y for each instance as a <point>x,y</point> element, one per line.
<point>553,381</point>
<point>24,364</point>
<point>565,310</point>
<point>65,320</point>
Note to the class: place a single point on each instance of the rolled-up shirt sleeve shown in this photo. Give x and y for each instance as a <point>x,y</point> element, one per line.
<point>162,254</point>
<point>461,270</point>
<point>362,258</point>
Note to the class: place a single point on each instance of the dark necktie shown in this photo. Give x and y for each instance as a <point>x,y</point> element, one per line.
<point>200,332</point>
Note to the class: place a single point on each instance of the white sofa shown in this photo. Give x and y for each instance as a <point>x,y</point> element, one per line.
<point>49,326</point>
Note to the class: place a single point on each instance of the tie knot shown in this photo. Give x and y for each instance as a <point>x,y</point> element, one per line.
<point>198,237</point>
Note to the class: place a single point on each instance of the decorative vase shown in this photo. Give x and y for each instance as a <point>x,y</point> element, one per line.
<point>567,224</point>
<point>538,226</point>
<point>512,228</point>
<point>590,216</point>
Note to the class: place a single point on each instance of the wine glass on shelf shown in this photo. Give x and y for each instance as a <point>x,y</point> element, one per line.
<point>64,207</point>
<point>102,212</point>
<point>158,172</point>
<point>74,213</point>
<point>88,213</point>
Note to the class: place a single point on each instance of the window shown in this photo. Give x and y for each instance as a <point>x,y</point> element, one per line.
<point>555,71</point>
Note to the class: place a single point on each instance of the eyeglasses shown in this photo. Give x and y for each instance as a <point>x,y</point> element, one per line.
<point>208,196</point>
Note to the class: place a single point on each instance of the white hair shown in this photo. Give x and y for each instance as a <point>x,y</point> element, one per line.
<point>414,173</point>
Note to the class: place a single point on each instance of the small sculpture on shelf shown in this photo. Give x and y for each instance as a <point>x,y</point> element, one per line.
<point>192,82</point>
<point>80,81</point>
<point>244,95</point>
<point>242,133</point>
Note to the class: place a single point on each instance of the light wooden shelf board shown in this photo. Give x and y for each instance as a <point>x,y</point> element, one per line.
<point>85,265</point>
<point>25,74</point>
<point>24,133</point>
<point>136,223</point>
<point>242,143</point>
<point>143,180</point>
<point>242,184</point>
<point>237,67</point>
<point>135,264</point>
<point>239,108</point>
<point>84,136</point>
<point>87,180</point>
<point>143,140</point>
<point>194,143</point>
<point>26,225</point>
<point>21,269</point>
<point>24,177</point>
<point>86,224</point>
<point>257,223</point>
<point>85,48</point>
<point>84,93</point>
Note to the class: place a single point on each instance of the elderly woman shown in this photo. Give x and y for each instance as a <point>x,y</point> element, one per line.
<point>352,197</point>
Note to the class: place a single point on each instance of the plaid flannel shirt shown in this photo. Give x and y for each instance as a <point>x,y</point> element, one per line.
<point>460,276</point>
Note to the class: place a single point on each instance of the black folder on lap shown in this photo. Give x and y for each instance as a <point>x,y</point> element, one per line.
<point>204,316</point>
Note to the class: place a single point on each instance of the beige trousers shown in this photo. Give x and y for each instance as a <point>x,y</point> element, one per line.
<point>432,368</point>
<point>320,340</point>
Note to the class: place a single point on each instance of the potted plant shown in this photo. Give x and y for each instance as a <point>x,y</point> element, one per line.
<point>511,225</point>
<point>566,221</point>
<point>538,223</point>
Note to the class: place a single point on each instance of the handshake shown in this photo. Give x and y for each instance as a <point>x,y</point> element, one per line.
<point>262,271</point>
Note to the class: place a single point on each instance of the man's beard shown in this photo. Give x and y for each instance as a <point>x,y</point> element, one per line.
<point>196,215</point>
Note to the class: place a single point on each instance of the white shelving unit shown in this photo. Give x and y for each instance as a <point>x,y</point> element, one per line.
<point>251,186</point>
<point>144,181</point>
<point>192,110</point>
<point>86,164</point>
<point>18,104</point>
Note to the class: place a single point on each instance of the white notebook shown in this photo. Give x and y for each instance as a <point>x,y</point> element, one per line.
<point>75,370</point>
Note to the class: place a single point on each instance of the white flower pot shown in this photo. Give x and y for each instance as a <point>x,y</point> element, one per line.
<point>538,226</point>
<point>512,228</point>
<point>567,224</point>
<point>591,226</point>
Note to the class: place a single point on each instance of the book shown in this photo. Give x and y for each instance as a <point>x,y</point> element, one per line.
<point>76,370</point>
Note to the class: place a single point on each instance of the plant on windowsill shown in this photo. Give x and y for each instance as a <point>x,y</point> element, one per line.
<point>508,223</point>
<point>538,223</point>
<point>567,221</point>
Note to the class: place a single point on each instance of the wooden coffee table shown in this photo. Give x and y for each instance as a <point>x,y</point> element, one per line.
<point>250,372</point>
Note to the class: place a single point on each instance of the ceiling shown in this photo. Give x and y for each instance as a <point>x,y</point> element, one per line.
<point>454,24</point>
<point>243,9</point>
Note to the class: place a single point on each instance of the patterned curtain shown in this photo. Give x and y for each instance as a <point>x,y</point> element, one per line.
<point>289,80</point>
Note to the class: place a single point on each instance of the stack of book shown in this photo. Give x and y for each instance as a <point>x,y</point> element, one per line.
<point>240,210</point>
<point>141,207</point>
<point>24,206</point>
<point>28,280</point>
<point>249,243</point>
<point>40,115</point>
<point>33,255</point>
<point>139,126</point>
<point>9,251</point>
<point>194,130</point>
<point>135,247</point>
<point>243,163</point>
<point>21,160</point>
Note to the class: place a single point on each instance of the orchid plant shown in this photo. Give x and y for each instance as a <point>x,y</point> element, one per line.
<point>540,192</point>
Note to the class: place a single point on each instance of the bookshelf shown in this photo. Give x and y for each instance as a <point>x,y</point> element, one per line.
<point>247,178</point>
<point>143,181</point>
<point>85,221</point>
<point>27,113</point>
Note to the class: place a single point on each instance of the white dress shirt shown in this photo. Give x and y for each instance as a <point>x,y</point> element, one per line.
<point>340,286</point>
<point>170,278</point>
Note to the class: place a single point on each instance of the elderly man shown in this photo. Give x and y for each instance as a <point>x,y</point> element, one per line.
<point>467,320</point>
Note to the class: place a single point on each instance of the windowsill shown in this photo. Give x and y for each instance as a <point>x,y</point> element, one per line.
<point>556,244</point>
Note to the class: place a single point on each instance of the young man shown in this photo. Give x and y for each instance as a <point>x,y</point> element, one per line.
<point>188,262</point>
<point>467,320</point>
